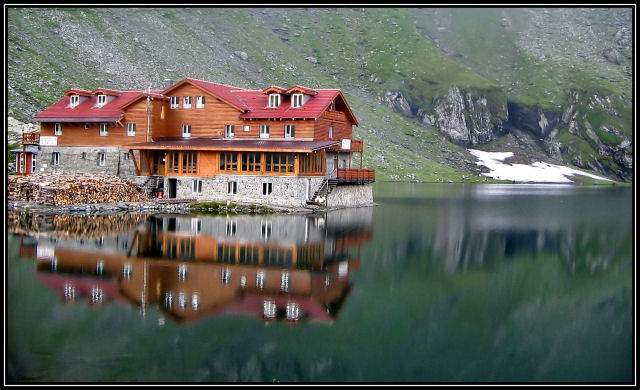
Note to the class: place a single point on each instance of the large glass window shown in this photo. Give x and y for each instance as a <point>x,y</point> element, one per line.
<point>279,162</point>
<point>251,162</point>
<point>189,162</point>
<point>311,163</point>
<point>229,162</point>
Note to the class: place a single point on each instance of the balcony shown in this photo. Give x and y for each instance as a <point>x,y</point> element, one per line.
<point>355,146</point>
<point>359,176</point>
<point>335,116</point>
<point>30,138</point>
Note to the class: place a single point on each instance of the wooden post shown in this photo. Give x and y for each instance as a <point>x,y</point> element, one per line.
<point>135,163</point>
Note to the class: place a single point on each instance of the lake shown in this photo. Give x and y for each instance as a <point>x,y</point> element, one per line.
<point>438,283</point>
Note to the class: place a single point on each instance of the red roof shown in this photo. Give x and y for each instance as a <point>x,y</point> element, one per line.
<point>259,101</point>
<point>223,144</point>
<point>82,92</point>
<point>87,111</point>
<point>275,89</point>
<point>220,90</point>
<point>297,88</point>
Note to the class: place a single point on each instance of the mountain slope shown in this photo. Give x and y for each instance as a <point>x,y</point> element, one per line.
<point>422,85</point>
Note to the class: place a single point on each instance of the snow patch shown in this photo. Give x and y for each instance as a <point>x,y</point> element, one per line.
<point>538,172</point>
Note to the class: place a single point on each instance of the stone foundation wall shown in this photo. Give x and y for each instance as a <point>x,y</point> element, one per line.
<point>286,191</point>
<point>86,160</point>
<point>351,196</point>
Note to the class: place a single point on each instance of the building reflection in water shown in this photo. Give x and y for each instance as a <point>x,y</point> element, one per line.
<point>288,268</point>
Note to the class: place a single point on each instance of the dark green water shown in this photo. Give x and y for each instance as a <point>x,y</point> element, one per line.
<point>440,283</point>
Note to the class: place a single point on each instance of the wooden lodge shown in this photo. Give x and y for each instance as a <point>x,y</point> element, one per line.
<point>203,140</point>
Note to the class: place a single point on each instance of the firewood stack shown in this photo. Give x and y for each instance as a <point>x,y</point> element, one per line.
<point>72,188</point>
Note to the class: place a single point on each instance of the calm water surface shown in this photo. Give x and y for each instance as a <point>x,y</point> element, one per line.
<point>439,283</point>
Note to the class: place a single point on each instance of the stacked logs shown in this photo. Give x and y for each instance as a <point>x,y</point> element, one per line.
<point>72,188</point>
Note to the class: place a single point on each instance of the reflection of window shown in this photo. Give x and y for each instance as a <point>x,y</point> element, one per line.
<point>232,227</point>
<point>266,229</point>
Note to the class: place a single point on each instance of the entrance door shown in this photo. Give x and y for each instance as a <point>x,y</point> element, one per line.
<point>172,188</point>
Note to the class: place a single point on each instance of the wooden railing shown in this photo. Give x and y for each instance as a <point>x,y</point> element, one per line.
<point>356,175</point>
<point>30,138</point>
<point>335,115</point>
<point>356,146</point>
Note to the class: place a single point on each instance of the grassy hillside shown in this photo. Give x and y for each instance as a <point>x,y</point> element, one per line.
<point>369,53</point>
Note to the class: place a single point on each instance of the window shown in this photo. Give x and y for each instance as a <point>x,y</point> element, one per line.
<point>131,129</point>
<point>186,102</point>
<point>289,131</point>
<point>251,162</point>
<point>274,100</point>
<point>229,130</point>
<point>101,159</point>
<point>104,129</point>
<point>246,128</point>
<point>332,105</point>
<point>199,101</point>
<point>175,102</point>
<point>267,188</point>
<point>312,163</point>
<point>228,161</point>
<point>279,162</point>
<point>264,131</point>
<point>232,187</point>
<point>57,129</point>
<point>297,100</point>
<point>20,162</point>
<point>86,126</point>
<point>33,163</point>
<point>173,162</point>
<point>102,100</point>
<point>197,186</point>
<point>331,131</point>
<point>186,131</point>
<point>126,156</point>
<point>84,155</point>
<point>74,100</point>
<point>189,162</point>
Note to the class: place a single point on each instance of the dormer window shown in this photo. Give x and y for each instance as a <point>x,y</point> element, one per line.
<point>274,100</point>
<point>297,100</point>
<point>102,100</point>
<point>74,100</point>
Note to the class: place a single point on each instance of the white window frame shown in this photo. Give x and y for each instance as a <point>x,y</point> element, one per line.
<point>102,157</point>
<point>267,188</point>
<point>186,134</point>
<point>102,100</point>
<point>297,100</point>
<point>86,126</point>
<point>57,129</point>
<point>56,158</point>
<point>264,131</point>
<point>74,100</point>
<point>274,100</point>
<point>229,131</point>
<point>20,162</point>
<point>330,131</point>
<point>104,129</point>
<point>289,131</point>
<point>232,187</point>
<point>131,129</point>
<point>186,101</point>
<point>197,186</point>
<point>33,163</point>
<point>246,128</point>
<point>332,105</point>
<point>174,102</point>
<point>200,101</point>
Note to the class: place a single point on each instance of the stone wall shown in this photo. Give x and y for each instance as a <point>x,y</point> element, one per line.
<point>86,160</point>
<point>351,196</point>
<point>287,191</point>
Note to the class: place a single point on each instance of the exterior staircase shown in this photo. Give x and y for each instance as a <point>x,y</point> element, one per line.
<point>152,185</point>
<point>320,196</point>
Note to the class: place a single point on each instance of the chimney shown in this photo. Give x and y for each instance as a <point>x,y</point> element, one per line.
<point>168,83</point>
